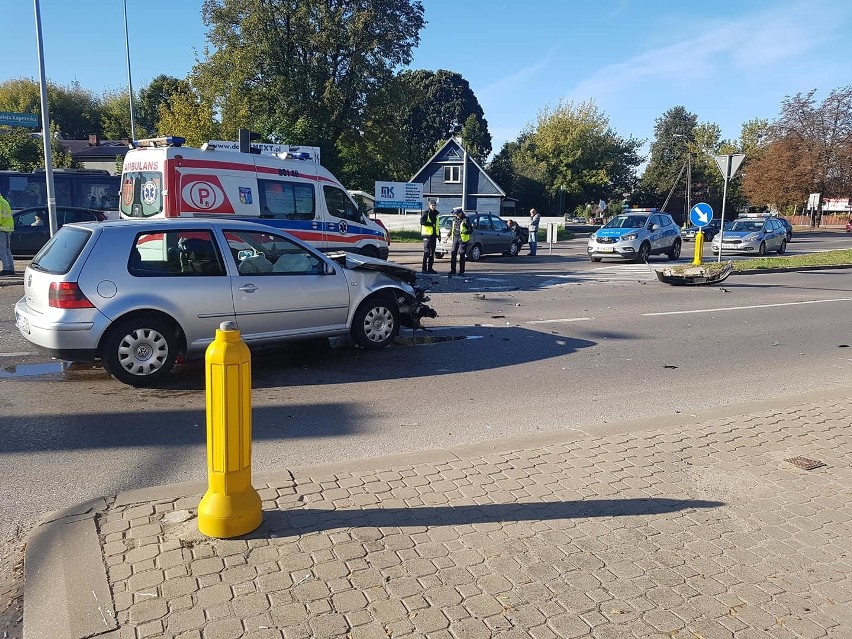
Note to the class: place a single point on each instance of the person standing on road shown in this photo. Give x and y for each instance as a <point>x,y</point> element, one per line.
<point>429,231</point>
<point>460,235</point>
<point>7,226</point>
<point>535,218</point>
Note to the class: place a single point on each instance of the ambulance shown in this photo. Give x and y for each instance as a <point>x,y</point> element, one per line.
<point>284,187</point>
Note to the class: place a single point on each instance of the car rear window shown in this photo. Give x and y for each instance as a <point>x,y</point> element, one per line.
<point>61,251</point>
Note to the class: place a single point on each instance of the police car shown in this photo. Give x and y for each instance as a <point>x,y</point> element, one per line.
<point>757,234</point>
<point>635,235</point>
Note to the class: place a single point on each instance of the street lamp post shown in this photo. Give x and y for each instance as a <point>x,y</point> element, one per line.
<point>129,78</point>
<point>45,126</point>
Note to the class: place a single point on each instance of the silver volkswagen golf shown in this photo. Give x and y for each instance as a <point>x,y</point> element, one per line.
<point>136,295</point>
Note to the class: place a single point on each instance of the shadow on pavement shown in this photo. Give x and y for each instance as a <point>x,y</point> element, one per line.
<point>302,521</point>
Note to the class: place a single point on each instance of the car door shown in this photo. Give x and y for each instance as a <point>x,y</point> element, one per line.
<point>29,235</point>
<point>282,289</point>
<point>487,233</point>
<point>503,235</point>
<point>655,235</point>
<point>777,234</point>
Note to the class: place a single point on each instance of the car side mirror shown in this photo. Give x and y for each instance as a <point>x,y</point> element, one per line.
<point>654,227</point>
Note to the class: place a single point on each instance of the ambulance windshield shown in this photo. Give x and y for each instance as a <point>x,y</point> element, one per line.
<point>141,194</point>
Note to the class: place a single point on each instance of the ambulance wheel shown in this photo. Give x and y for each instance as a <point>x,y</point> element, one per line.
<point>376,322</point>
<point>370,251</point>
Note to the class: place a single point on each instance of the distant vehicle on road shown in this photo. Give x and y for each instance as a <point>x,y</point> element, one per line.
<point>490,234</point>
<point>32,228</point>
<point>709,231</point>
<point>757,235</point>
<point>636,235</point>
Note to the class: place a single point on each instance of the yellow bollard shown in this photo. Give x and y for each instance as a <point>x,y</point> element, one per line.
<point>699,248</point>
<point>231,506</point>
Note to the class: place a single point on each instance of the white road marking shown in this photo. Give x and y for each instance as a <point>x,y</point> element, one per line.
<point>14,354</point>
<point>742,308</point>
<point>559,321</point>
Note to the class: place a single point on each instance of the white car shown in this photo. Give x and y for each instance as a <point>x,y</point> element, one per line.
<point>635,235</point>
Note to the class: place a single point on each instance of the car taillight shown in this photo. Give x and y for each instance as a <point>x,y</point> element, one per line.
<point>67,295</point>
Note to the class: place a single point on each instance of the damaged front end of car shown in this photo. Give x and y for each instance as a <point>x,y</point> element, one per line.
<point>411,296</point>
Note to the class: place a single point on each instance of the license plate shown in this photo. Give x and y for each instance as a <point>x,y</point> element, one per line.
<point>729,246</point>
<point>23,324</point>
<point>604,249</point>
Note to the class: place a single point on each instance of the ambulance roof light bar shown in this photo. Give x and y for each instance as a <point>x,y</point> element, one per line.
<point>150,143</point>
<point>291,155</point>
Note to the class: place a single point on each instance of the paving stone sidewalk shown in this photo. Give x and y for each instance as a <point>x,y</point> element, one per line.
<point>690,528</point>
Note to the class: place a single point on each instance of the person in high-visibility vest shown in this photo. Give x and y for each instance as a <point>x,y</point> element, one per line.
<point>7,227</point>
<point>429,231</point>
<point>460,235</point>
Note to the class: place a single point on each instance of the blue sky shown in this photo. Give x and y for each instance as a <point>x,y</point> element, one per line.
<point>727,61</point>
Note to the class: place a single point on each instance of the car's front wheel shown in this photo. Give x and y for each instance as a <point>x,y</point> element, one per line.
<point>674,251</point>
<point>782,248</point>
<point>140,351</point>
<point>474,253</point>
<point>376,322</point>
<point>644,252</point>
<point>514,249</point>
<point>761,250</point>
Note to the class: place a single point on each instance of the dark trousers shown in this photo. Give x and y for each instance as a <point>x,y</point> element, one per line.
<point>460,249</point>
<point>429,244</point>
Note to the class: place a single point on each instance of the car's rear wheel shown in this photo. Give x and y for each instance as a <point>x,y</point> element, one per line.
<point>783,248</point>
<point>595,259</point>
<point>376,322</point>
<point>644,252</point>
<point>761,250</point>
<point>474,253</point>
<point>140,351</point>
<point>674,251</point>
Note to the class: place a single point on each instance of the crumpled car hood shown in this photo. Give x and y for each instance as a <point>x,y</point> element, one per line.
<point>354,261</point>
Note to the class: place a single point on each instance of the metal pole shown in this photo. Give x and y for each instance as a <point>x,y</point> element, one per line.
<point>129,78</point>
<point>688,185</point>
<point>724,198</point>
<point>45,127</point>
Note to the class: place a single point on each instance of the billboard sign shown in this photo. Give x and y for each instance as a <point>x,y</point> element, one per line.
<point>399,195</point>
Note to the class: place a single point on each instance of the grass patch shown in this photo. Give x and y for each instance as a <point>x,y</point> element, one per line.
<point>405,236</point>
<point>828,258</point>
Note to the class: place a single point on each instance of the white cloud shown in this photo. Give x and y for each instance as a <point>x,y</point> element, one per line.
<point>754,44</point>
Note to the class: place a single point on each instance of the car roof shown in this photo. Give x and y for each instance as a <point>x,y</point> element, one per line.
<point>184,223</point>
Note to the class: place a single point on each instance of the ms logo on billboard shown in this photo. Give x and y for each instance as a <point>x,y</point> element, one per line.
<point>204,193</point>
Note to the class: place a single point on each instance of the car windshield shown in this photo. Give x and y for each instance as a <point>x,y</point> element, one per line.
<point>627,222</point>
<point>746,225</point>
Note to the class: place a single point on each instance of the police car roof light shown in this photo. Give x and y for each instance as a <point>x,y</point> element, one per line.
<point>171,140</point>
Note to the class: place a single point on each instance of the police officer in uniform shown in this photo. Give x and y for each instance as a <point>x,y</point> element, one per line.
<point>460,235</point>
<point>429,231</point>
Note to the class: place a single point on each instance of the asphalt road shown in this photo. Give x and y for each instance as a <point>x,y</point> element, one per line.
<point>521,345</point>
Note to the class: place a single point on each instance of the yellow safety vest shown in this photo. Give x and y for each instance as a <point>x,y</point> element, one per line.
<point>430,227</point>
<point>464,230</point>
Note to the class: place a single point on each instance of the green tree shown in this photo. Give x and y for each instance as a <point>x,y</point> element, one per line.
<point>115,114</point>
<point>189,115</point>
<point>571,156</point>
<point>674,138</point>
<point>21,151</point>
<point>435,104</point>
<point>299,71</point>
<point>74,110</point>
<point>808,149</point>
<point>151,98</point>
